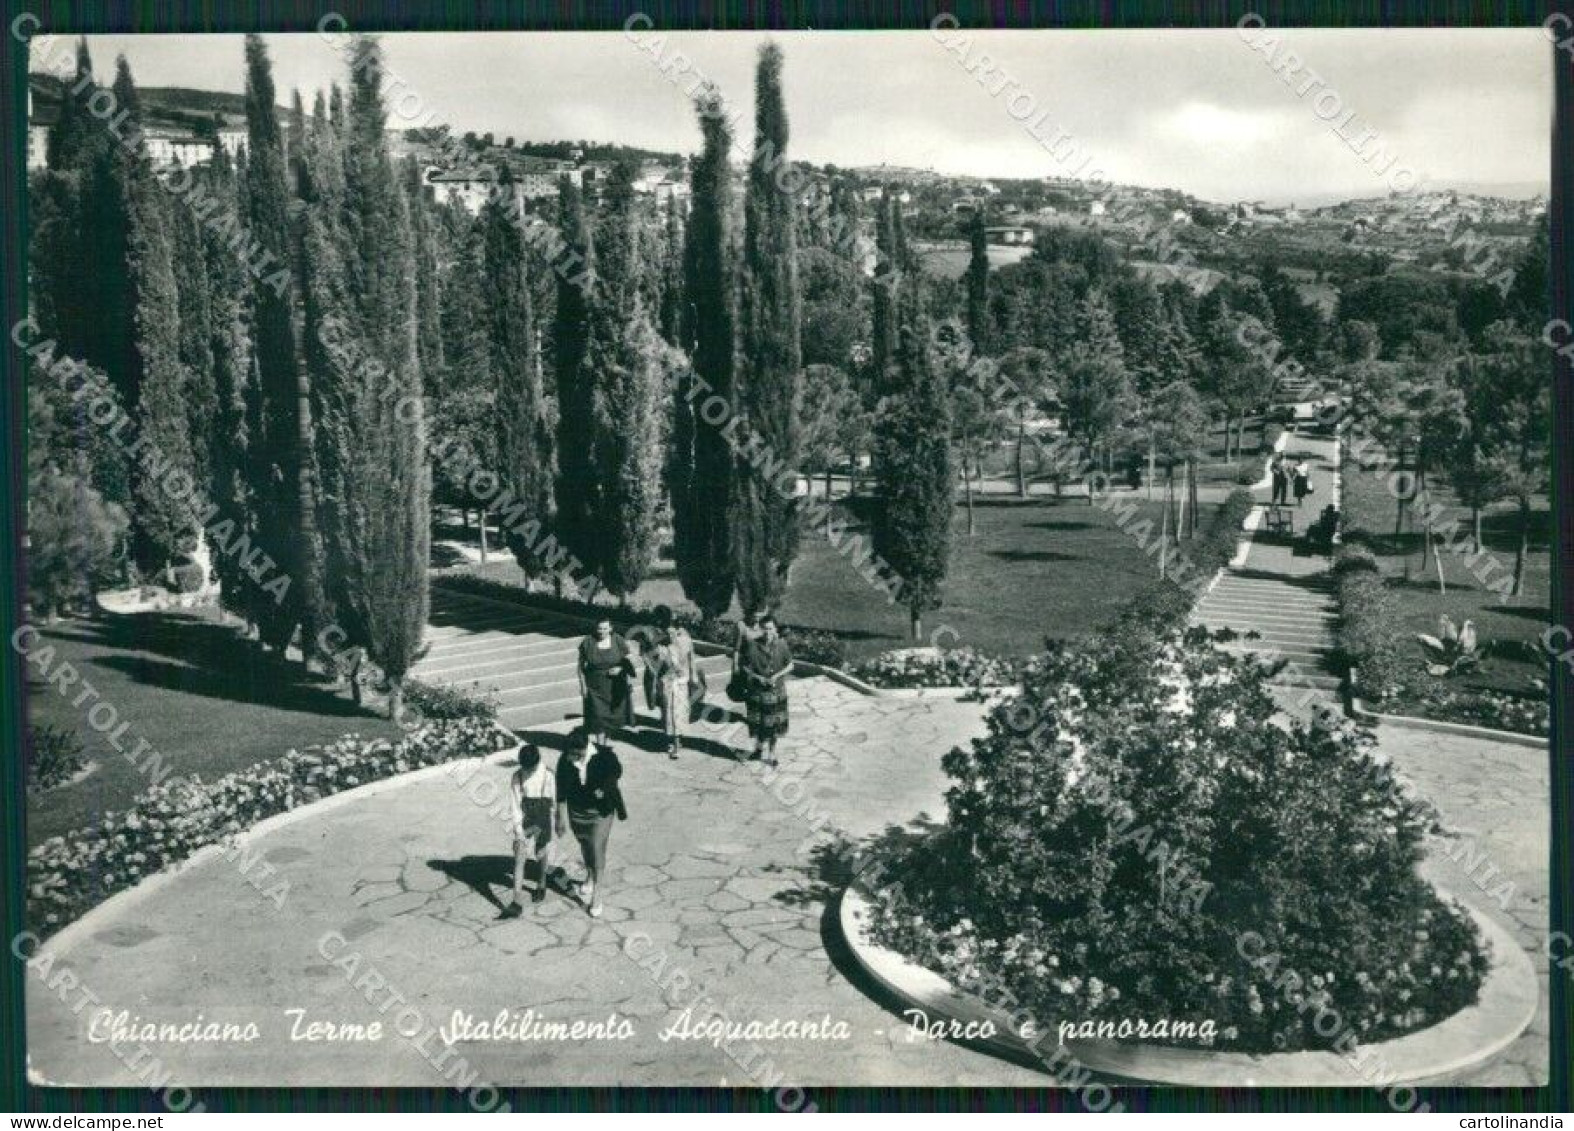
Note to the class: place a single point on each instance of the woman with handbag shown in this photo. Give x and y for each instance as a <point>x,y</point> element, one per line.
<point>605,682</point>
<point>589,798</point>
<point>764,663</point>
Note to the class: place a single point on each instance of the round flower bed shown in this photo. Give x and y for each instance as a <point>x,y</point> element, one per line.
<point>1135,829</point>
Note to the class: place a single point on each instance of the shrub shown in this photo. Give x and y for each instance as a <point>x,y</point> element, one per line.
<point>1135,833</point>
<point>188,577</point>
<point>1167,602</point>
<point>67,875</point>
<point>814,645</point>
<point>953,667</point>
<point>1247,472</point>
<point>427,701</point>
<point>1367,631</point>
<point>54,755</point>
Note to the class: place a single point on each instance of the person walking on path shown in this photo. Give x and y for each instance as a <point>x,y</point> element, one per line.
<point>764,662</point>
<point>532,794</point>
<point>1303,481</point>
<point>675,683</point>
<point>589,799</point>
<point>605,685</point>
<point>1281,480</point>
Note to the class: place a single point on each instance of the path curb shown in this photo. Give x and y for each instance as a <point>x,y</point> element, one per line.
<point>63,941</point>
<point>1507,1004</point>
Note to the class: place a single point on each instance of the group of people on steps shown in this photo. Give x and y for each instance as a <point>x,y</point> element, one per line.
<point>582,795</point>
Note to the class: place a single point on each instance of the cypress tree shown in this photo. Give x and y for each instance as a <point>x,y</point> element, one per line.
<point>883,288</point>
<point>575,489</point>
<point>384,525</point>
<point>629,368</point>
<point>912,528</point>
<point>700,467</point>
<point>524,441</point>
<point>428,279</point>
<point>146,359</point>
<point>284,491</point>
<point>766,521</point>
<point>978,284</point>
<point>230,347</point>
<point>196,327</point>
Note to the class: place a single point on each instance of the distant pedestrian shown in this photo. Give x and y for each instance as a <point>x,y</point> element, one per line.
<point>1281,481</point>
<point>1303,482</point>
<point>605,685</point>
<point>765,662</point>
<point>589,798</point>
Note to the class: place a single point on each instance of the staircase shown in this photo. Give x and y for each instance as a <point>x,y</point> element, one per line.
<point>525,657</point>
<point>1292,617</point>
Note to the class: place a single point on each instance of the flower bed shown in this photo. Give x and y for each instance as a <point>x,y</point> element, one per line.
<point>1392,679</point>
<point>1134,837</point>
<point>67,875</point>
<point>930,667</point>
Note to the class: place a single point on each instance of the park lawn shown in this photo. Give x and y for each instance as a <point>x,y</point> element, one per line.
<point>1504,627</point>
<point>1034,569</point>
<point>194,690</point>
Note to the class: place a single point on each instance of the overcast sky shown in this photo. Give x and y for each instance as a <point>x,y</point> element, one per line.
<point>1196,110</point>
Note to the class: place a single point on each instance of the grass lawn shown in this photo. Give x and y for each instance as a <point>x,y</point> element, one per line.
<point>194,690</point>
<point>1503,627</point>
<point>1032,570</point>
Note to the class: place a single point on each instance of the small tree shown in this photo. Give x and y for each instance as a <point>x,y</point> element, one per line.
<point>72,539</point>
<point>1028,376</point>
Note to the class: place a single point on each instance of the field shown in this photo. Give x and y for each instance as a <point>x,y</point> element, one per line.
<point>1508,629</point>
<point>192,689</point>
<point>1032,570</point>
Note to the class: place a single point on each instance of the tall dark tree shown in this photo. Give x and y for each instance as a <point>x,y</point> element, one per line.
<point>766,534</point>
<point>524,442</point>
<point>383,519</point>
<point>978,328</point>
<point>285,494</point>
<point>576,488</point>
<point>229,306</point>
<point>145,362</point>
<point>912,529</point>
<point>701,467</point>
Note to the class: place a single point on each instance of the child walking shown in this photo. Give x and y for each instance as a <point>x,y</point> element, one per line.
<point>533,794</point>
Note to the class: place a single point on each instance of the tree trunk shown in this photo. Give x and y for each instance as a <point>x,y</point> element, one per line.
<point>464,519</point>
<point>1164,526</point>
<point>1021,456</point>
<point>967,484</point>
<point>827,482</point>
<point>1475,526</point>
<point>917,623</point>
<point>1437,560</point>
<point>482,525</point>
<point>1523,552</point>
<point>395,698</point>
<point>1152,458</point>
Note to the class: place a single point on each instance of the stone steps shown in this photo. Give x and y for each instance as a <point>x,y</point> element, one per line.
<point>525,658</point>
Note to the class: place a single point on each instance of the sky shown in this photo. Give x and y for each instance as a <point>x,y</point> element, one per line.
<point>1201,111</point>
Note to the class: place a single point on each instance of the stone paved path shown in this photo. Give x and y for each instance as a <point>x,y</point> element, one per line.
<point>1279,591</point>
<point>715,870</point>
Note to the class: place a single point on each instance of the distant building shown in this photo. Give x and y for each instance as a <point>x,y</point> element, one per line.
<point>1096,208</point>
<point>1180,216</point>
<point>1010,235</point>
<point>37,146</point>
<point>168,148</point>
<point>232,139</point>
<point>535,178</point>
